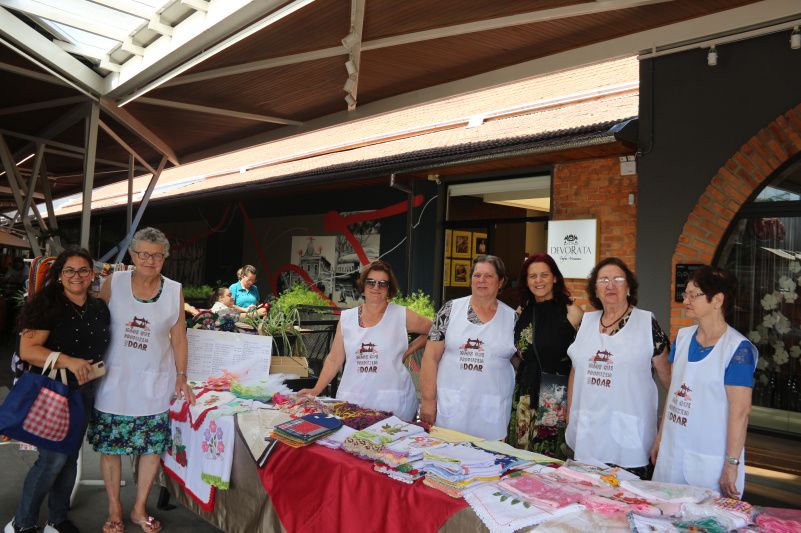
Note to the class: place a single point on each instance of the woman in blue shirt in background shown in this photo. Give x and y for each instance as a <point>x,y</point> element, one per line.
<point>244,291</point>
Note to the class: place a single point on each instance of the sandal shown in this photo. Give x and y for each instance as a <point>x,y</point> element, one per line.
<point>113,526</point>
<point>148,525</point>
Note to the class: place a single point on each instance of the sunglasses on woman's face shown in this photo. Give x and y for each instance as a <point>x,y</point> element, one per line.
<point>382,284</point>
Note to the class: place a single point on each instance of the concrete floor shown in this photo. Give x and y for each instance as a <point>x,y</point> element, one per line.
<point>89,507</point>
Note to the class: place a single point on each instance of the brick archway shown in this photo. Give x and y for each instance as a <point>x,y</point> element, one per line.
<point>729,189</point>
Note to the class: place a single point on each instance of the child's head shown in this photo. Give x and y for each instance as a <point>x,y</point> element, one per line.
<point>223,294</point>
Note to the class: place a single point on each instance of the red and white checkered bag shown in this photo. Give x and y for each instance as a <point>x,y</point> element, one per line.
<point>49,416</point>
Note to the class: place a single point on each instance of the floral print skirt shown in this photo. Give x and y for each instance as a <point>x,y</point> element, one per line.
<point>129,435</point>
<point>526,435</point>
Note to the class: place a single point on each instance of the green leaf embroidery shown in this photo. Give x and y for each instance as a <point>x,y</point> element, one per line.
<point>515,502</point>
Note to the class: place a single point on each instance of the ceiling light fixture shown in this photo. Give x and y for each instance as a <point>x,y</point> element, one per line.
<point>351,40</point>
<point>712,56</point>
<point>795,38</point>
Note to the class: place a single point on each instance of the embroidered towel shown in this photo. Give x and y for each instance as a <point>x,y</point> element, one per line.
<point>217,445</point>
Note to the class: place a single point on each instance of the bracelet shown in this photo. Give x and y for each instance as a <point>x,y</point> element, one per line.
<point>732,460</point>
<point>180,374</point>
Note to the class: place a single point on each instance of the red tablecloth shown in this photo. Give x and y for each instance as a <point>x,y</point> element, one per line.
<point>317,489</point>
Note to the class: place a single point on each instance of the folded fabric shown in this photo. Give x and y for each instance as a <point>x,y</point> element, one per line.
<point>355,416</point>
<point>451,435</point>
<point>306,429</point>
<point>406,473</point>
<point>364,444</point>
<point>506,449</point>
<point>337,438</point>
<point>668,492</point>
<point>502,512</point>
<point>540,490</point>
<point>640,524</point>
<point>183,462</point>
<point>774,524</point>
<point>393,428</point>
<point>205,402</point>
<point>732,514</point>
<point>256,428</point>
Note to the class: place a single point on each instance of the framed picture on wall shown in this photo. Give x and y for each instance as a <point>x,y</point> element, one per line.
<point>462,241</point>
<point>446,276</point>
<point>448,242</point>
<point>480,244</point>
<point>460,273</point>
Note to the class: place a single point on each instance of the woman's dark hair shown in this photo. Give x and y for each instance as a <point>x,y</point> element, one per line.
<point>560,293</point>
<point>630,280</point>
<point>713,280</point>
<point>379,266</point>
<point>496,262</point>
<point>50,303</point>
<point>216,294</point>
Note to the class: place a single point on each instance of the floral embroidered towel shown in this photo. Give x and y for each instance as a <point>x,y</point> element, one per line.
<point>540,490</point>
<point>393,428</point>
<point>668,492</point>
<point>184,463</point>
<point>217,447</point>
<point>503,512</point>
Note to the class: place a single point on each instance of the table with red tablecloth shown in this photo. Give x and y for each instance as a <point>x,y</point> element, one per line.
<point>318,489</point>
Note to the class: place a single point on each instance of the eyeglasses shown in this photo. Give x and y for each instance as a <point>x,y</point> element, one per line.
<point>382,284</point>
<point>69,272</point>
<point>144,256</point>
<point>617,280</point>
<point>690,296</point>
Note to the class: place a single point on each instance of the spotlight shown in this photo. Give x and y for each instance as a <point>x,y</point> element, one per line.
<point>350,40</point>
<point>350,66</point>
<point>712,57</point>
<point>795,39</point>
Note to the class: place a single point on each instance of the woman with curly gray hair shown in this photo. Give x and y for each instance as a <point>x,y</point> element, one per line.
<point>146,364</point>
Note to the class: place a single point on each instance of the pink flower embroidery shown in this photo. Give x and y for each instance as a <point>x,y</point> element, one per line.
<point>205,446</point>
<point>220,447</point>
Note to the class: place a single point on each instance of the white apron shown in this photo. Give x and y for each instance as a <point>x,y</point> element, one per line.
<point>374,375</point>
<point>475,379</point>
<point>140,367</point>
<point>694,431</point>
<point>614,401</point>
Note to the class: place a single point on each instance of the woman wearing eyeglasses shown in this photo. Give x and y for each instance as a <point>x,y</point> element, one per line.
<point>63,318</point>
<point>612,395</point>
<point>702,437</point>
<point>145,366</point>
<point>467,378</point>
<point>372,341</point>
<point>245,293</point>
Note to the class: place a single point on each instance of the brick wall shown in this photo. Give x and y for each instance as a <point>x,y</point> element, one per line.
<point>595,189</point>
<point>729,189</point>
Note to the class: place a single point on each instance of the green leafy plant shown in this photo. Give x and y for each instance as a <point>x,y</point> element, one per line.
<point>300,295</point>
<point>197,292</point>
<point>419,302</point>
<point>283,327</point>
<point>19,298</point>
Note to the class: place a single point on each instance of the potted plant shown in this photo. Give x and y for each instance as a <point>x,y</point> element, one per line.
<point>283,327</point>
<point>197,295</point>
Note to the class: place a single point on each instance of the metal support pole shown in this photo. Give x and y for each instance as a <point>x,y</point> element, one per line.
<point>122,247</point>
<point>51,212</point>
<point>129,208</point>
<point>409,223</point>
<point>89,172</point>
<point>14,182</point>
<point>37,165</point>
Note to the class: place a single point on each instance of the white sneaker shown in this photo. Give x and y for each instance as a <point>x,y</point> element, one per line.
<point>9,527</point>
<point>50,529</point>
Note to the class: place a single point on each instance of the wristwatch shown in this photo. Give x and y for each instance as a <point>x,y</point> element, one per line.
<point>732,460</point>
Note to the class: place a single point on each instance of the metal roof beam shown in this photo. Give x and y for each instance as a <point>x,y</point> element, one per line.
<point>54,128</point>
<point>7,190</point>
<point>65,17</point>
<point>111,133</point>
<point>135,126</point>
<point>48,54</point>
<point>194,40</point>
<point>520,19</point>
<point>126,6</point>
<point>33,74</point>
<point>91,52</point>
<point>75,155</point>
<point>218,111</point>
<point>197,5</point>
<point>47,104</point>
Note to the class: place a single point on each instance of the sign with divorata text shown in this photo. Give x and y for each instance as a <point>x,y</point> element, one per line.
<point>574,246</point>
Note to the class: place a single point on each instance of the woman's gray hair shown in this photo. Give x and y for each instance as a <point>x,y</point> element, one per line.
<point>493,260</point>
<point>151,235</point>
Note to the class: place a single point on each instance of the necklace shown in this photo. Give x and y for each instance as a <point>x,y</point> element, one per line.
<point>614,321</point>
<point>78,311</point>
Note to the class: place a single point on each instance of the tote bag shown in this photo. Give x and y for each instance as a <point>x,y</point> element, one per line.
<point>44,412</point>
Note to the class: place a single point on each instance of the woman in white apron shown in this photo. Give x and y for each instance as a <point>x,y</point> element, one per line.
<point>372,340</point>
<point>702,437</point>
<point>146,363</point>
<point>467,379</point>
<point>612,395</point>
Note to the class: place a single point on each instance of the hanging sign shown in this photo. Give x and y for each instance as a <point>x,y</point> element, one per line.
<point>574,246</point>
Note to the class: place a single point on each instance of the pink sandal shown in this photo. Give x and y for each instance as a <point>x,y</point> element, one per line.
<point>113,526</point>
<point>148,525</point>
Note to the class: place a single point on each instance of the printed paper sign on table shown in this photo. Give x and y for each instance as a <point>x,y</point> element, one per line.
<point>574,246</point>
<point>212,351</point>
